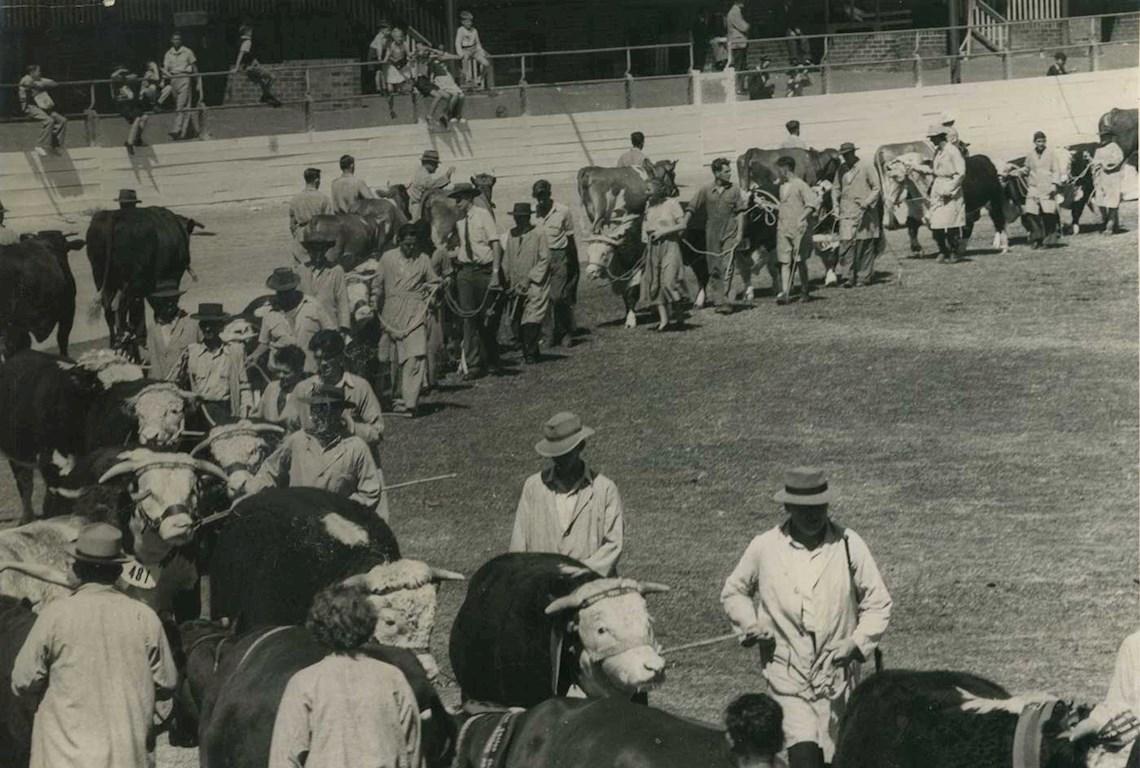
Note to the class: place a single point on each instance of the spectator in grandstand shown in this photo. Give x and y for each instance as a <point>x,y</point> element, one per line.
<point>397,60</point>
<point>759,82</point>
<point>799,77</point>
<point>477,67</point>
<point>376,51</point>
<point>441,86</point>
<point>1058,65</point>
<point>180,64</point>
<point>37,103</point>
<point>247,62</point>
<point>127,91</point>
<point>736,29</point>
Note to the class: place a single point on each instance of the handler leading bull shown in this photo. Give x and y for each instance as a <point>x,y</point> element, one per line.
<point>814,627</point>
<point>947,201</point>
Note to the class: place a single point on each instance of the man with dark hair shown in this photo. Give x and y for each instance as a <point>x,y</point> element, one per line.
<point>347,189</point>
<point>1043,180</point>
<point>171,332</point>
<point>277,403</point>
<point>348,710</point>
<point>1057,68</point>
<point>795,224</point>
<point>478,257</point>
<point>308,203</point>
<point>558,222</point>
<point>37,103</point>
<point>717,209</point>
<point>362,415</point>
<point>809,593</point>
<point>322,455</point>
<point>793,140</point>
<point>180,64</point>
<point>634,157</point>
<point>214,370</point>
<point>402,293</point>
<point>100,660</point>
<point>754,730</point>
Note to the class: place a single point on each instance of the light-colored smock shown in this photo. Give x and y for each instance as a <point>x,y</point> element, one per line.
<point>526,262</point>
<point>401,289</point>
<point>664,279</point>
<point>947,198</point>
<point>1107,164</point>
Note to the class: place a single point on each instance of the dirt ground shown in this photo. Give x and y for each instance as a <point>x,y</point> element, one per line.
<point>978,421</point>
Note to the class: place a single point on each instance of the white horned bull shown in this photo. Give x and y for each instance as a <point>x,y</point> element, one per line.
<point>535,624</point>
<point>617,256</point>
<point>240,446</point>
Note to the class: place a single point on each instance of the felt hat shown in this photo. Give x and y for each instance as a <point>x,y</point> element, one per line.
<point>325,395</point>
<point>430,154</point>
<point>540,186</point>
<point>166,289</point>
<point>98,543</point>
<point>522,209</point>
<point>936,130</point>
<point>805,486</point>
<point>846,147</point>
<point>283,279</point>
<point>562,433</point>
<point>211,311</point>
<point>127,196</point>
<point>317,236</point>
<point>463,189</point>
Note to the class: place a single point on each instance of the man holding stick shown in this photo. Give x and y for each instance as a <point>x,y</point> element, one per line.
<point>798,205</point>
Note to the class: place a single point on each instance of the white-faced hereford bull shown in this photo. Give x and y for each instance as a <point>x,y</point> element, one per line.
<point>282,546</point>
<point>940,719</point>
<point>606,191</point>
<point>130,251</point>
<point>37,291</point>
<point>906,190</point>
<point>53,412</point>
<point>533,624</point>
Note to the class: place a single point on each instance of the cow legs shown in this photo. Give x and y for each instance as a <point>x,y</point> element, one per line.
<point>629,296</point>
<point>25,484</point>
<point>912,225</point>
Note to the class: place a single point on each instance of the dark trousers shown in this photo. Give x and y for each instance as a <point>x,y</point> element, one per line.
<point>948,241</point>
<point>563,284</point>
<point>805,754</point>
<point>857,260</point>
<point>1042,228</point>
<point>480,332</point>
<point>740,59</point>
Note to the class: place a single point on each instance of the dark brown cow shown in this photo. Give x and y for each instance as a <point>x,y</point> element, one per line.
<point>440,212</point>
<point>604,191</point>
<point>1122,123</point>
<point>366,231</point>
<point>37,291</point>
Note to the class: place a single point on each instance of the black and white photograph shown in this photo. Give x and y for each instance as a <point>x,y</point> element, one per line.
<point>569,384</point>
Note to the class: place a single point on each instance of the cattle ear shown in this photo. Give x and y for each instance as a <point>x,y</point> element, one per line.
<point>572,626</point>
<point>75,245</point>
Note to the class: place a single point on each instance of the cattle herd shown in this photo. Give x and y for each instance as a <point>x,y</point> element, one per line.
<point>112,446</point>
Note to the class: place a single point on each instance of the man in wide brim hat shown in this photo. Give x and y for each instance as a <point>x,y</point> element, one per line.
<point>463,189</point>
<point>567,507</point>
<point>935,130</point>
<point>166,289</point>
<point>211,312</point>
<point>127,198</point>
<point>430,156</point>
<point>847,147</point>
<point>283,279</point>
<point>809,594</point>
<point>98,543</point>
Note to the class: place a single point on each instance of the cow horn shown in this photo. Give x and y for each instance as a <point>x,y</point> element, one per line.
<point>66,493</point>
<point>268,428</point>
<point>210,468</point>
<point>441,574</point>
<point>568,602</point>
<point>357,580</point>
<point>202,445</point>
<point>120,469</point>
<point>651,587</point>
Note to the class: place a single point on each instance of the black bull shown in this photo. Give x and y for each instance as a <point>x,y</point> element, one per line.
<point>37,291</point>
<point>227,702</point>
<point>982,188</point>
<point>927,720</point>
<point>366,231</point>
<point>1122,123</point>
<point>130,251</point>
<point>1076,191</point>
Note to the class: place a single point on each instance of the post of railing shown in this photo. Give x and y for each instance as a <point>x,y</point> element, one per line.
<point>310,121</point>
<point>522,86</point>
<point>917,69</point>
<point>692,57</point>
<point>91,120</point>
<point>695,95</point>
<point>628,62</point>
<point>825,77</point>
<point>1094,54</point>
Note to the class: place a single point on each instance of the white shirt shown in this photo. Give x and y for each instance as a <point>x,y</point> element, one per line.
<point>477,231</point>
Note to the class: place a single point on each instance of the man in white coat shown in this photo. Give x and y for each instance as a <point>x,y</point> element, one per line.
<point>947,201</point>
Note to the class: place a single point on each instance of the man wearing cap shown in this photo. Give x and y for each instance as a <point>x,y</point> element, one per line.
<point>947,212</point>
<point>568,508</point>
<point>293,317</point>
<point>308,203</point>
<point>347,188</point>
<point>402,293</point>
<point>1107,162</point>
<point>214,370</point>
<point>128,200</point>
<point>793,140</point>
<point>322,455</point>
<point>8,236</point>
<point>810,594</point>
<point>362,414</point>
<point>478,258</point>
<point>716,208</point>
<point>171,333</point>
<point>427,181</point>
<point>526,264</point>
<point>1043,173</point>
<point>99,660</point>
<point>324,281</point>
<point>558,222</point>
<point>857,191</point>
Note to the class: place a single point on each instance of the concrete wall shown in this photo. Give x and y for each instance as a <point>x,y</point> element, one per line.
<point>998,118</point>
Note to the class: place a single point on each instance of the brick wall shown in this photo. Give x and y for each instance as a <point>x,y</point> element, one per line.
<point>341,84</point>
<point>854,49</point>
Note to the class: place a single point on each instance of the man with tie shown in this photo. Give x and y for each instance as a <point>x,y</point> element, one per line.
<point>478,258</point>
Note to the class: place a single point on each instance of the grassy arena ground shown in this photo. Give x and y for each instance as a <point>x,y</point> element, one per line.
<point>979,422</point>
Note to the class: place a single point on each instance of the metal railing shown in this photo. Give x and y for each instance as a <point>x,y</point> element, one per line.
<point>1033,10</point>
<point>626,77</point>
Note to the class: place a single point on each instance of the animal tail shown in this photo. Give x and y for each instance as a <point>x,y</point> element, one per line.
<point>584,194</point>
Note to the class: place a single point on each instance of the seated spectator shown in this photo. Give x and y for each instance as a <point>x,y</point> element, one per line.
<point>441,86</point>
<point>247,62</point>
<point>759,83</point>
<point>37,103</point>
<point>477,68</point>
<point>376,51</point>
<point>397,62</point>
<point>799,77</point>
<point>1058,66</point>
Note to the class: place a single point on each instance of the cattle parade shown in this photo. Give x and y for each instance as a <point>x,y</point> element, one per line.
<point>555,441</point>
